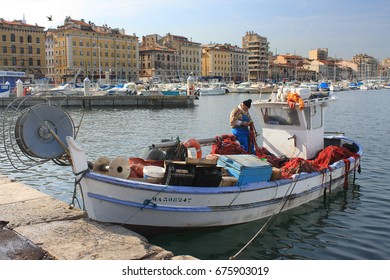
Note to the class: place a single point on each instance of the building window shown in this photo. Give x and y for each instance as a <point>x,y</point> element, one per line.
<point>37,40</point>
<point>30,62</point>
<point>29,39</point>
<point>38,50</point>
<point>13,49</point>
<point>14,61</point>
<point>30,50</point>
<point>21,39</point>
<point>22,62</point>
<point>4,49</point>
<point>4,37</point>
<point>12,37</point>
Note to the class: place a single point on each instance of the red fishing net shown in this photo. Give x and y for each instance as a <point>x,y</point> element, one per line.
<point>227,145</point>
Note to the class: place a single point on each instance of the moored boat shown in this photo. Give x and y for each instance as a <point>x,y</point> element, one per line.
<point>5,90</point>
<point>246,87</point>
<point>323,87</point>
<point>211,89</point>
<point>160,190</point>
<point>352,86</point>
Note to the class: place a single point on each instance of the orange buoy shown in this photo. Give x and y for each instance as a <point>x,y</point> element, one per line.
<point>193,143</point>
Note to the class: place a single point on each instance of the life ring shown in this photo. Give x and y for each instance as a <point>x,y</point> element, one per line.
<point>193,143</point>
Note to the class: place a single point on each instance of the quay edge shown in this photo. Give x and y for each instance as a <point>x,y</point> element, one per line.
<point>35,226</point>
<point>109,101</point>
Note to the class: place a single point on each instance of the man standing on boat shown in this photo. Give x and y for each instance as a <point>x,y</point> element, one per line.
<point>240,121</point>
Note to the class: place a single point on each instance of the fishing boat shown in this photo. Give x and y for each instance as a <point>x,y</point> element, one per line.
<point>166,188</point>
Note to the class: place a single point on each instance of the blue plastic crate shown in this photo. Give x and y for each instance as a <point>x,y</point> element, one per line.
<point>246,168</point>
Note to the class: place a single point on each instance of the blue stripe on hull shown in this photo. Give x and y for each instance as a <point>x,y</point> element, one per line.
<point>156,207</point>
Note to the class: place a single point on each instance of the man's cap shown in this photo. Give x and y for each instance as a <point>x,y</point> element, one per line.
<point>248,103</point>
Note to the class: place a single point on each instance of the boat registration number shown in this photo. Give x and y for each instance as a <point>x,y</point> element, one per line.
<point>172,199</point>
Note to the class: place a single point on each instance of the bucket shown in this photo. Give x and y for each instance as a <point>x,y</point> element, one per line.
<point>153,172</point>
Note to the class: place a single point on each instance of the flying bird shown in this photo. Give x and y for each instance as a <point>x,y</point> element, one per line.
<point>49,18</point>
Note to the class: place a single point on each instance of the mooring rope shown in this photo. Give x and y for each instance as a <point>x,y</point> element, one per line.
<point>77,183</point>
<point>268,222</point>
<point>145,203</point>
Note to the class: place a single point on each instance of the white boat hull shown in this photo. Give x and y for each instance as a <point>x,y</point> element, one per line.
<point>207,92</point>
<point>143,204</point>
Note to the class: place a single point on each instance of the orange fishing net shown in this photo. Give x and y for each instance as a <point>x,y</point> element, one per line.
<point>293,98</point>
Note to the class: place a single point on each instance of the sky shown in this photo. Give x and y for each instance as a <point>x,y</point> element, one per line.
<point>345,27</point>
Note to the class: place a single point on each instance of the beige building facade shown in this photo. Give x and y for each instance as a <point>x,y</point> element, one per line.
<point>258,56</point>
<point>318,54</point>
<point>158,63</point>
<point>188,54</point>
<point>83,50</point>
<point>290,67</point>
<point>22,48</point>
<point>224,61</point>
<point>367,66</point>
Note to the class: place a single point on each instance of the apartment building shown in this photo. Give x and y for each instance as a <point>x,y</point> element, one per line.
<point>224,61</point>
<point>258,56</point>
<point>318,54</point>
<point>49,56</point>
<point>290,67</point>
<point>367,66</point>
<point>83,49</point>
<point>22,48</point>
<point>158,63</point>
<point>188,54</point>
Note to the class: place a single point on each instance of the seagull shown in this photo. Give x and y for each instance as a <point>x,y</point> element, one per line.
<point>49,18</point>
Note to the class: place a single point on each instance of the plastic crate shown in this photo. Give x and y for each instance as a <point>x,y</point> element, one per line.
<point>246,168</point>
<point>179,173</point>
<point>208,176</point>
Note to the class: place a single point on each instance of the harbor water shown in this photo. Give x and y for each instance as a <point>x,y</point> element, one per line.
<point>352,224</point>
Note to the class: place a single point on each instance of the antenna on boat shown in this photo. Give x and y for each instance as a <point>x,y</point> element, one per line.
<point>34,131</point>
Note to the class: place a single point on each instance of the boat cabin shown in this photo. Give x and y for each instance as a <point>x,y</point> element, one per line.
<point>290,131</point>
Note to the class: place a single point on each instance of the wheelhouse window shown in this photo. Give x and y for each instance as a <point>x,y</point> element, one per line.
<point>280,116</point>
<point>314,117</point>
